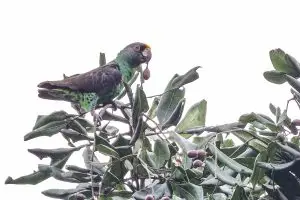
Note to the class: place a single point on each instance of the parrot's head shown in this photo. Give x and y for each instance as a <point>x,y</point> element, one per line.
<point>135,54</point>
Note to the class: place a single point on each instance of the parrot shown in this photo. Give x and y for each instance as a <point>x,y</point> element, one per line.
<point>100,85</point>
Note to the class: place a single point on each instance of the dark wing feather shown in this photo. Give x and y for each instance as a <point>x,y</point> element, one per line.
<point>100,80</point>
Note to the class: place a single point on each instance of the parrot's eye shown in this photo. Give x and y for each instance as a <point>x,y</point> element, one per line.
<point>137,48</point>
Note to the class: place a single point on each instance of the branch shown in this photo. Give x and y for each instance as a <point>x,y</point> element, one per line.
<point>215,129</point>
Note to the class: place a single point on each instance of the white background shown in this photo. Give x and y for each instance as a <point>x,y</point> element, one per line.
<point>40,40</point>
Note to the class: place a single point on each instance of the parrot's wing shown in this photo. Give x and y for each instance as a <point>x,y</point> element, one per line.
<point>100,80</point>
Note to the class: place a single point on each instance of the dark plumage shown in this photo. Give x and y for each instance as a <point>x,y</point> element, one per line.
<point>99,85</point>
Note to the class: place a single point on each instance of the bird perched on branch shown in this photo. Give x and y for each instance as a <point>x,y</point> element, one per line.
<point>100,85</point>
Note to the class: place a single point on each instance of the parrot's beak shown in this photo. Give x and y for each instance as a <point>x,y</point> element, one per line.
<point>147,54</point>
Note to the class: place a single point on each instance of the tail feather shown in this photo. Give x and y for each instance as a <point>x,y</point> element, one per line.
<point>58,94</point>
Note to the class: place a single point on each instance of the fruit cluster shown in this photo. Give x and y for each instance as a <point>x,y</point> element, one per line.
<point>198,156</point>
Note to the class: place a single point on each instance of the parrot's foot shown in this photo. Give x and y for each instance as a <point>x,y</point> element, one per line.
<point>113,105</point>
<point>97,118</point>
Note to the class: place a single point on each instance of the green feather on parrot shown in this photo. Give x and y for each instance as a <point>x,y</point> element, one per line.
<point>100,85</point>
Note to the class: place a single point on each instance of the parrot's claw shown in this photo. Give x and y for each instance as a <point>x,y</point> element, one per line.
<point>112,105</point>
<point>97,118</point>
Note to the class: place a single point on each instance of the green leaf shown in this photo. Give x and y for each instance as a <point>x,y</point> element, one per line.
<point>246,136</point>
<point>54,154</point>
<point>275,76</point>
<point>289,149</point>
<point>74,135</point>
<point>202,141</point>
<point>162,152</point>
<point>239,194</point>
<point>168,102</point>
<point>258,173</point>
<point>49,129</point>
<point>277,167</point>
<point>175,116</point>
<point>194,173</point>
<point>188,191</point>
<point>188,77</point>
<point>219,196</point>
<point>128,165</point>
<point>140,105</point>
<point>153,108</point>
<point>127,86</point>
<point>245,161</point>
<point>117,195</point>
<point>63,193</point>
<point>228,143</point>
<point>107,151</point>
<point>282,117</point>
<point>185,144</point>
<point>295,140</point>
<point>283,62</point>
<point>157,190</point>
<point>215,170</point>
<point>75,125</point>
<point>228,161</point>
<point>293,82</point>
<point>54,116</point>
<point>173,94</point>
<point>86,124</point>
<point>263,119</point>
<point>32,179</point>
<point>37,176</point>
<point>71,177</point>
<point>272,109</point>
<point>195,116</point>
<point>97,166</point>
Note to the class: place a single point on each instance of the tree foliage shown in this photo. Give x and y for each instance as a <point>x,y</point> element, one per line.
<point>164,155</point>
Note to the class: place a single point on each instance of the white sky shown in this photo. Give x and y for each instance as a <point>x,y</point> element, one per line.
<point>40,40</point>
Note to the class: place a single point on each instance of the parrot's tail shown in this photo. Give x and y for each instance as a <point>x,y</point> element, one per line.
<point>58,94</point>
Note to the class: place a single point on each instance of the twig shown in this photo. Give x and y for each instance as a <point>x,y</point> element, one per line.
<point>288,102</point>
<point>157,125</point>
<point>92,160</point>
<point>111,137</point>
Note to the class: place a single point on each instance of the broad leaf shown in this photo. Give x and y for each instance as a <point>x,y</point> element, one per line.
<point>175,116</point>
<point>49,129</point>
<point>258,173</point>
<point>215,170</point>
<point>107,151</point>
<point>195,116</point>
<point>274,76</point>
<point>173,94</point>
<point>157,190</point>
<point>188,191</point>
<point>54,116</point>
<point>140,105</point>
<point>228,161</point>
<point>185,144</point>
<point>283,62</point>
<point>162,152</point>
<point>54,154</point>
<point>239,194</point>
<point>293,82</point>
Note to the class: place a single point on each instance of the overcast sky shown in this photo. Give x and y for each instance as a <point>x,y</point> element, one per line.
<point>40,40</point>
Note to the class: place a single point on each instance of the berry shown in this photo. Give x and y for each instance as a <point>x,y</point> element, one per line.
<point>201,154</point>
<point>192,153</point>
<point>146,73</point>
<point>149,197</point>
<point>197,163</point>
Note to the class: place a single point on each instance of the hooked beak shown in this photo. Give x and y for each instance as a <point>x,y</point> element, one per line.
<point>147,54</point>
